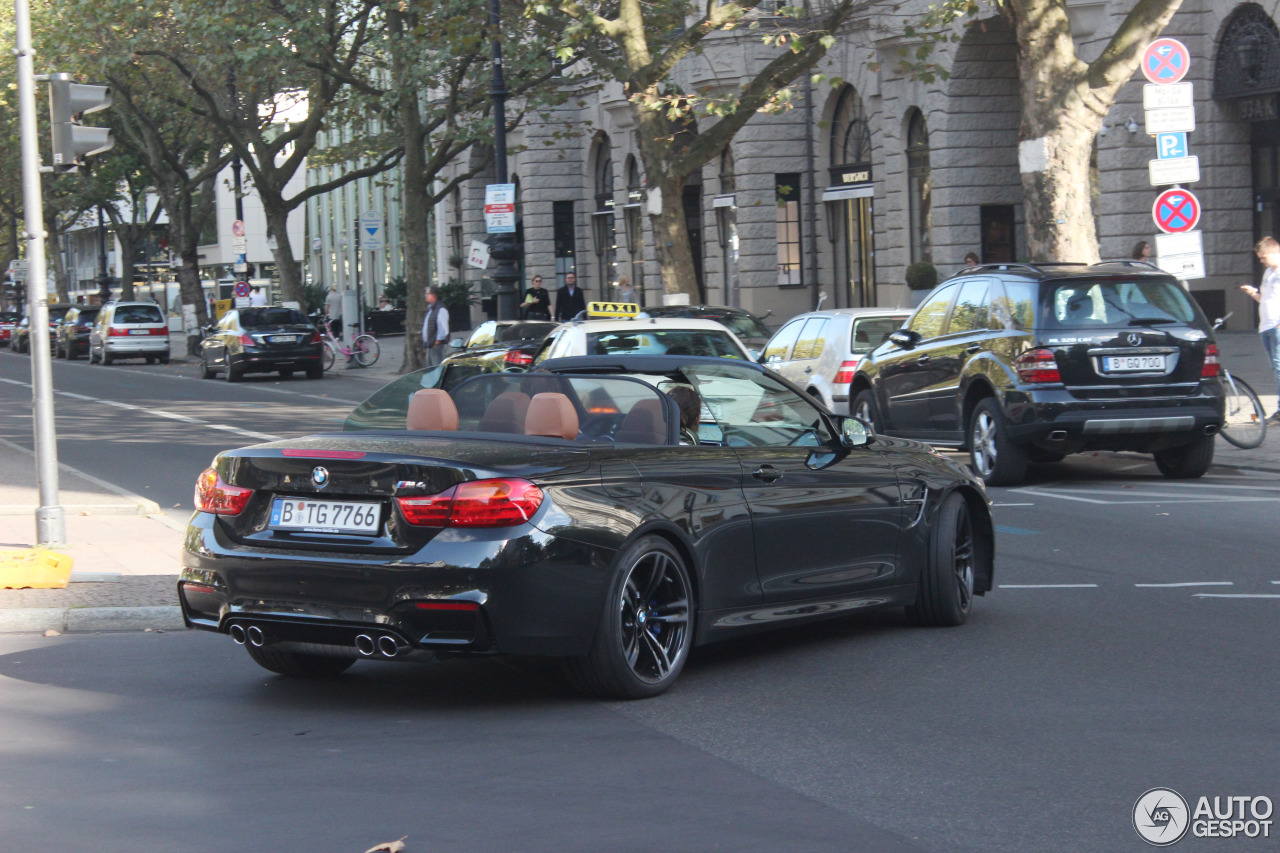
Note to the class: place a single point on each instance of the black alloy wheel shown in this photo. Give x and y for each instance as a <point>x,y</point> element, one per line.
<point>864,406</point>
<point>646,630</point>
<point>298,664</point>
<point>946,584</point>
<point>997,459</point>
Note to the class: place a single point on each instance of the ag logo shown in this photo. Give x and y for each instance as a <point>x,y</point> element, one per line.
<point>1161,817</point>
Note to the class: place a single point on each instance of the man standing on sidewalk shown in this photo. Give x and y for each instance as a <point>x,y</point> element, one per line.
<point>435,328</point>
<point>1268,299</point>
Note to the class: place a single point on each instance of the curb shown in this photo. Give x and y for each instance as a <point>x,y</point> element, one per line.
<point>89,620</point>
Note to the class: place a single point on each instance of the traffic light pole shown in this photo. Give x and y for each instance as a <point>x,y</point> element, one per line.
<point>51,526</point>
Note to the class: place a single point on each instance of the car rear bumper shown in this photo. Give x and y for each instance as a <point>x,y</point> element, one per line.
<point>138,346</point>
<point>1127,424</point>
<point>255,361</point>
<point>532,594</point>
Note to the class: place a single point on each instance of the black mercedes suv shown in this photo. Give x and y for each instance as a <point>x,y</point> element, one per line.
<point>1027,363</point>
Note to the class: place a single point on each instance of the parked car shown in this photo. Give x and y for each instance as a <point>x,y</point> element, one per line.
<point>749,328</point>
<point>819,351</point>
<point>262,340</point>
<point>72,336</point>
<point>20,339</point>
<point>1027,363</point>
<point>557,513</point>
<point>8,320</point>
<point>642,336</point>
<point>129,330</point>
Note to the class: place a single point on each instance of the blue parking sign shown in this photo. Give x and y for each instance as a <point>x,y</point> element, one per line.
<point>1170,146</point>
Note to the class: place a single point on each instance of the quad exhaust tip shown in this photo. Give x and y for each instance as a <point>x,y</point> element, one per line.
<point>237,634</point>
<point>384,645</point>
<point>388,646</point>
<point>365,645</point>
<point>255,635</point>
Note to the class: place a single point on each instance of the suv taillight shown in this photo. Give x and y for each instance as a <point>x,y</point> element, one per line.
<point>1211,366</point>
<point>1037,365</point>
<point>521,359</point>
<point>845,374</point>
<point>217,497</point>
<point>480,503</point>
<point>315,338</point>
<point>248,341</point>
<point>117,332</point>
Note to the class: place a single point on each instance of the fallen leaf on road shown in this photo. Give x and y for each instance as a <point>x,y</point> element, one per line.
<point>388,846</point>
<point>52,633</point>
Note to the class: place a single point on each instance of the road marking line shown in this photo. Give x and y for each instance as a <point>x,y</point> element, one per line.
<point>1276,582</point>
<point>76,396</point>
<point>1186,583</point>
<point>1051,586</point>
<point>1013,504</point>
<point>1234,595</point>
<point>15,382</point>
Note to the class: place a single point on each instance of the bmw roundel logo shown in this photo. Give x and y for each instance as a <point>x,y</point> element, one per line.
<point>320,476</point>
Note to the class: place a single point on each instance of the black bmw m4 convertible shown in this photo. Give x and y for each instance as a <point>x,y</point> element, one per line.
<point>609,511</point>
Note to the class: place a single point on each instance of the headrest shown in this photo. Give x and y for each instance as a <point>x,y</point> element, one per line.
<point>432,409</point>
<point>551,415</point>
<point>506,413</point>
<point>644,424</point>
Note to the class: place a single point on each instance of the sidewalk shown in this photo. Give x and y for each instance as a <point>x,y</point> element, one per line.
<point>127,554</point>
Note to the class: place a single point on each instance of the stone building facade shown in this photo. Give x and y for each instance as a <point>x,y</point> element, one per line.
<point>839,194</point>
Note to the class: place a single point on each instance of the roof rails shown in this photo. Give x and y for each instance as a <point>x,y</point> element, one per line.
<point>1044,267</point>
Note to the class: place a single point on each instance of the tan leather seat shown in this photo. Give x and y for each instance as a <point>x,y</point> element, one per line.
<point>644,424</point>
<point>506,413</point>
<point>551,415</point>
<point>432,409</point>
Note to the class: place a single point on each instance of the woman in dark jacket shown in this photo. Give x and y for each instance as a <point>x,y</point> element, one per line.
<point>537,301</point>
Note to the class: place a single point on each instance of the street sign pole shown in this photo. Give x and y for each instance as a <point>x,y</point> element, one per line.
<point>51,525</point>
<point>359,324</point>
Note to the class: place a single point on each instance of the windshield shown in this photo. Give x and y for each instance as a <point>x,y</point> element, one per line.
<point>137,314</point>
<point>251,318</point>
<point>1117,303</point>
<point>525,331</point>
<point>664,342</point>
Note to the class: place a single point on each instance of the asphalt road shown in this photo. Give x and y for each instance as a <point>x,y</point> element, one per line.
<point>1129,645</point>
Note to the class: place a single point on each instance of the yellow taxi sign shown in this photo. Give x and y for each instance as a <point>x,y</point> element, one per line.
<point>612,309</point>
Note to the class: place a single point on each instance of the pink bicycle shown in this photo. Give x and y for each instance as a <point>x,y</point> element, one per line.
<point>363,350</point>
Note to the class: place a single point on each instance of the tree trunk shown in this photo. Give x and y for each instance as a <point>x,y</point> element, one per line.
<point>53,253</point>
<point>416,207</point>
<point>127,237</point>
<point>282,251</point>
<point>671,239</point>
<point>1060,225</point>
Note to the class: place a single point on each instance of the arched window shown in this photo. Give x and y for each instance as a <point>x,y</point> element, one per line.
<point>1248,60</point>
<point>603,232</point>
<point>918,187</point>
<point>850,133</point>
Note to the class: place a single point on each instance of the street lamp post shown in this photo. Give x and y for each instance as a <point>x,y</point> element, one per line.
<point>503,248</point>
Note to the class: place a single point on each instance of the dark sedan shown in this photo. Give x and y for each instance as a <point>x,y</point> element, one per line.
<point>514,342</point>
<point>749,328</point>
<point>71,340</point>
<point>611,512</point>
<point>262,340</point>
<point>20,337</point>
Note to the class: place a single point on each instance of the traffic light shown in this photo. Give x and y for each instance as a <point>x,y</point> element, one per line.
<point>73,141</point>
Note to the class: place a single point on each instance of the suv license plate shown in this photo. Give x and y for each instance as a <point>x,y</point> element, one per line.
<point>1125,363</point>
<point>139,331</point>
<point>311,516</point>
<point>283,339</point>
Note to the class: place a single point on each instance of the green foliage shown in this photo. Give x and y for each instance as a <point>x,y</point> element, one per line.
<point>396,289</point>
<point>313,294</point>
<point>922,275</point>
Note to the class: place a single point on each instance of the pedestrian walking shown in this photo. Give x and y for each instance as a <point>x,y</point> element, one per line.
<point>435,327</point>
<point>1268,299</point>
<point>258,298</point>
<point>1142,251</point>
<point>537,301</point>
<point>625,292</point>
<point>569,300</point>
<point>333,310</point>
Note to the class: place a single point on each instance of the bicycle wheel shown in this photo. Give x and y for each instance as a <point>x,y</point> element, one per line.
<point>328,356</point>
<point>365,350</point>
<point>1245,425</point>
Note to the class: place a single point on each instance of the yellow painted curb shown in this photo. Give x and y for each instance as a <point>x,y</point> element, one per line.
<point>34,568</point>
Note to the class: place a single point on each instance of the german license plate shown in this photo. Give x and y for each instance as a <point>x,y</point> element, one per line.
<point>1136,363</point>
<point>311,516</point>
<point>282,339</point>
<point>139,331</point>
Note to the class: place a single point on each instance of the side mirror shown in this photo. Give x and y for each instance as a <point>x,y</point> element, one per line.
<point>457,343</point>
<point>905,338</point>
<point>854,432</point>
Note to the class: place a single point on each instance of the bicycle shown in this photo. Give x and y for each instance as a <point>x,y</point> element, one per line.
<point>363,351</point>
<point>1245,424</point>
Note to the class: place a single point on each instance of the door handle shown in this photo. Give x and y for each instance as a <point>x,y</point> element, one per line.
<point>808,370</point>
<point>972,348</point>
<point>767,473</point>
<point>924,359</point>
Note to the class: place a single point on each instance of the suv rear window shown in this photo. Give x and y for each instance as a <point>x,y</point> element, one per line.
<point>137,314</point>
<point>1115,303</point>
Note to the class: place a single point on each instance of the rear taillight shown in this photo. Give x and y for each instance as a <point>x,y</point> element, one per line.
<point>315,338</point>
<point>1211,366</point>
<point>215,496</point>
<point>160,331</point>
<point>248,341</point>
<point>521,359</point>
<point>1037,365</point>
<point>845,374</point>
<point>446,605</point>
<point>117,332</point>
<point>479,503</point>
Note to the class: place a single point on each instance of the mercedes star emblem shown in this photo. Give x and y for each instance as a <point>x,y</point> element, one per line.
<point>1133,339</point>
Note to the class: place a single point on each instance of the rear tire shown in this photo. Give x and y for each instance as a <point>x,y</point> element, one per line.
<point>316,372</point>
<point>946,583</point>
<point>297,664</point>
<point>206,371</point>
<point>286,373</point>
<point>105,357</point>
<point>995,458</point>
<point>365,350</point>
<point>864,406</point>
<point>1187,461</point>
<point>646,629</point>
<point>233,375</point>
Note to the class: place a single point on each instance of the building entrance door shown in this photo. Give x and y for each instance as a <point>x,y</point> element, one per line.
<point>855,252</point>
